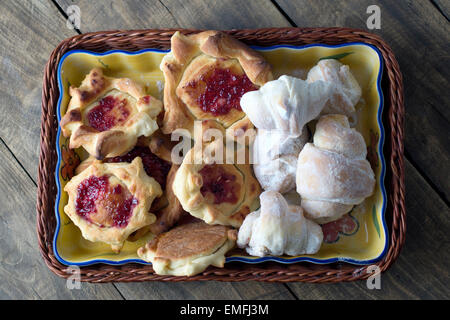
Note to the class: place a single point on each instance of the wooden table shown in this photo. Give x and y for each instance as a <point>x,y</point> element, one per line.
<point>417,30</point>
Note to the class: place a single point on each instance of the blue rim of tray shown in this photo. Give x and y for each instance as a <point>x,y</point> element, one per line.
<point>250,260</point>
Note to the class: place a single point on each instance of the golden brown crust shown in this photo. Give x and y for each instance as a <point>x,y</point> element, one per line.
<point>132,177</point>
<point>207,49</point>
<point>189,240</point>
<point>189,182</point>
<point>170,214</point>
<point>167,208</point>
<point>161,145</point>
<point>120,138</point>
<point>189,249</point>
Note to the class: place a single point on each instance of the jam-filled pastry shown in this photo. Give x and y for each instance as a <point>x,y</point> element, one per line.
<point>333,174</point>
<point>167,208</point>
<point>280,109</point>
<point>215,191</point>
<point>346,91</point>
<point>109,201</point>
<point>278,228</point>
<point>106,115</point>
<point>206,75</point>
<point>189,249</point>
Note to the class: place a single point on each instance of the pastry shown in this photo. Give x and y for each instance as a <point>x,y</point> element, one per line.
<point>189,249</point>
<point>205,76</point>
<point>109,201</point>
<point>275,155</point>
<point>280,109</point>
<point>333,174</point>
<point>106,115</point>
<point>286,104</point>
<point>278,228</point>
<point>346,91</point>
<point>213,190</point>
<point>167,208</point>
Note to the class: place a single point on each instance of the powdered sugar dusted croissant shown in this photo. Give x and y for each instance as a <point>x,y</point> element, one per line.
<point>286,104</point>
<point>346,91</point>
<point>275,158</point>
<point>280,109</point>
<point>277,229</point>
<point>333,174</point>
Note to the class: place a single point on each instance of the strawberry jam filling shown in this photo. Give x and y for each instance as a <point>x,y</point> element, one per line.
<point>155,167</point>
<point>97,201</point>
<point>110,112</point>
<point>220,183</point>
<point>223,91</point>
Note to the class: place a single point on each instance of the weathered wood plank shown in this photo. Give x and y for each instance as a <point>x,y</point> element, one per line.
<point>23,274</point>
<point>444,7</point>
<point>29,31</point>
<point>421,271</point>
<point>135,14</point>
<point>205,290</point>
<point>420,38</point>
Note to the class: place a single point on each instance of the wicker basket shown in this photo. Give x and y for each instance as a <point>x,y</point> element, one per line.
<point>393,118</point>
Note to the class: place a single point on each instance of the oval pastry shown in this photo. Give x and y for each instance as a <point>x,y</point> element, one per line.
<point>109,201</point>
<point>217,193</point>
<point>106,115</point>
<point>333,173</point>
<point>206,74</point>
<point>189,249</point>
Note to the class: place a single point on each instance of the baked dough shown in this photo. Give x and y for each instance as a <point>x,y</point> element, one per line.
<point>106,115</point>
<point>205,76</point>
<point>189,249</point>
<point>333,174</point>
<point>277,229</point>
<point>109,201</point>
<point>170,214</point>
<point>280,109</point>
<point>346,91</point>
<point>167,208</point>
<point>275,158</point>
<point>286,104</point>
<point>217,193</point>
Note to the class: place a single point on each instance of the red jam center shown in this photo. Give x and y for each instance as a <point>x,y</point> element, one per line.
<point>115,201</point>
<point>155,167</point>
<point>223,91</point>
<point>109,112</point>
<point>220,183</point>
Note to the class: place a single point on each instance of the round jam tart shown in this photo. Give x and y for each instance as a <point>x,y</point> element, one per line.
<point>167,208</point>
<point>106,115</point>
<point>206,75</point>
<point>109,201</point>
<point>217,193</point>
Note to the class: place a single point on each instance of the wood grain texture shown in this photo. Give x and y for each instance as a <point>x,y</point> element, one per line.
<point>443,6</point>
<point>418,35</point>
<point>135,14</point>
<point>23,275</point>
<point>420,38</point>
<point>205,290</point>
<point>421,271</point>
<point>29,31</point>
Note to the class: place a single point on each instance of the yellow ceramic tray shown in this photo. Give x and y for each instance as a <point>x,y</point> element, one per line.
<point>359,237</point>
